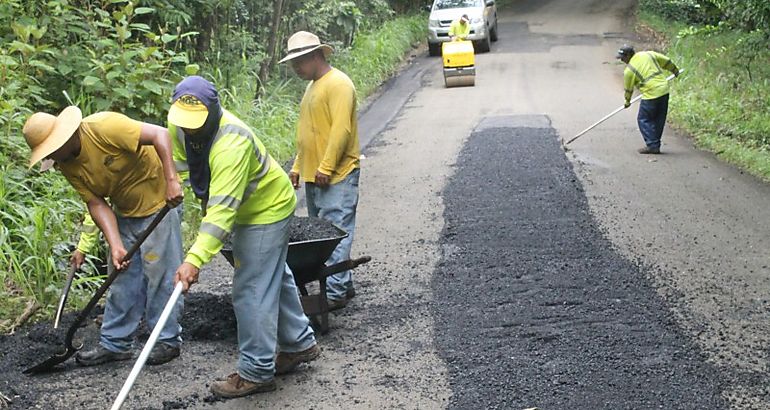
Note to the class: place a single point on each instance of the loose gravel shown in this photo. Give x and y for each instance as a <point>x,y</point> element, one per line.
<point>534,306</point>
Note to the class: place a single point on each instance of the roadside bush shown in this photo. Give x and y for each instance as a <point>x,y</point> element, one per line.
<point>687,11</point>
<point>722,99</point>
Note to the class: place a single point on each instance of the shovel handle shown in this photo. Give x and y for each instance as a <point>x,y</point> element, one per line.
<point>64,293</point>
<point>111,278</point>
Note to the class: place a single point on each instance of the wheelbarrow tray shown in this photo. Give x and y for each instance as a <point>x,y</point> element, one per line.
<point>307,258</point>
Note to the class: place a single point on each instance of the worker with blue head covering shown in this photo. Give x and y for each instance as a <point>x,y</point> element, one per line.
<point>248,196</point>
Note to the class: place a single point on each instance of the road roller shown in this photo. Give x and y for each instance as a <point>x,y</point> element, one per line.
<point>459,63</point>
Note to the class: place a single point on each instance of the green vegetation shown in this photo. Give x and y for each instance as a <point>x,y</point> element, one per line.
<point>126,57</point>
<point>724,98</point>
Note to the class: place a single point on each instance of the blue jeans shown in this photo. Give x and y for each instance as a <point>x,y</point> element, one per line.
<point>144,288</point>
<point>265,300</point>
<point>652,119</point>
<point>337,204</point>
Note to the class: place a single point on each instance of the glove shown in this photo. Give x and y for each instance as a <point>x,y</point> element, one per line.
<point>626,104</point>
<point>676,73</point>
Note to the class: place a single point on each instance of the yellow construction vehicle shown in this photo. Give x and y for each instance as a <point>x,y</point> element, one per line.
<point>459,63</point>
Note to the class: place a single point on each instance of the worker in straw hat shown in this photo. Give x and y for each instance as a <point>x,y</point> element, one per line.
<point>327,159</point>
<point>459,30</point>
<point>645,70</point>
<point>247,194</point>
<point>108,156</point>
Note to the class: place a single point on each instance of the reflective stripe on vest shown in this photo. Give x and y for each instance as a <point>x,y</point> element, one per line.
<point>643,80</point>
<point>264,160</point>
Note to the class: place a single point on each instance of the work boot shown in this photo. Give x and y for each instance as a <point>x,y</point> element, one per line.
<point>336,304</point>
<point>285,362</point>
<point>237,386</point>
<point>648,150</point>
<point>99,355</point>
<point>350,293</point>
<point>162,353</point>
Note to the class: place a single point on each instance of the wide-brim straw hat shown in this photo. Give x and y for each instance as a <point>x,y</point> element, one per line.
<point>303,42</point>
<point>45,133</point>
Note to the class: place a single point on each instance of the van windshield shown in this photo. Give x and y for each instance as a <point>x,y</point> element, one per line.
<point>456,4</point>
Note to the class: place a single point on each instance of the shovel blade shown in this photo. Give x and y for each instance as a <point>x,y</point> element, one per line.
<point>50,363</point>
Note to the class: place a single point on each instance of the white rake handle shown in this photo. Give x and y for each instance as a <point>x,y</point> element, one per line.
<point>148,347</point>
<point>617,110</point>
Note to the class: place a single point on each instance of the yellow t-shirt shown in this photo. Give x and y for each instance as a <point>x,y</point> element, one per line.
<point>327,133</point>
<point>112,164</point>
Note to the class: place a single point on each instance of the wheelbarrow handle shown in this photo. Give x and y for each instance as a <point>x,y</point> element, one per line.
<point>343,266</point>
<point>64,293</point>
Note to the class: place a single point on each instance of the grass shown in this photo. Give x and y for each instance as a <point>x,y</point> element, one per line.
<point>40,213</point>
<point>716,101</point>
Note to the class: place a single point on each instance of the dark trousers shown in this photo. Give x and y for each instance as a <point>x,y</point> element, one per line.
<point>652,119</point>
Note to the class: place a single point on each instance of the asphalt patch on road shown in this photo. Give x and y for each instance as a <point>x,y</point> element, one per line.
<point>534,307</point>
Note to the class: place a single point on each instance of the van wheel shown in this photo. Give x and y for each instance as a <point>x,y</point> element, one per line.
<point>493,33</point>
<point>483,45</point>
<point>434,49</point>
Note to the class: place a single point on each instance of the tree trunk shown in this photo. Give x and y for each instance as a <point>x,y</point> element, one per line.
<point>269,63</point>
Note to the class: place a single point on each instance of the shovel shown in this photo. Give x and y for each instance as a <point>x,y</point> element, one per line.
<point>70,349</point>
<point>606,117</point>
<point>64,293</point>
<point>148,347</point>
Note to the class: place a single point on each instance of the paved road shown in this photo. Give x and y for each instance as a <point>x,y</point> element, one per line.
<point>680,241</point>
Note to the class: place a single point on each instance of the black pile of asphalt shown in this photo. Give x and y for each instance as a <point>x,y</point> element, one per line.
<point>207,318</point>
<point>306,228</point>
<point>534,306</point>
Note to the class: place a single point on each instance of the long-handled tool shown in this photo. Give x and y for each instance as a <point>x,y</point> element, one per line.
<point>70,349</point>
<point>617,110</point>
<point>63,298</point>
<point>148,347</point>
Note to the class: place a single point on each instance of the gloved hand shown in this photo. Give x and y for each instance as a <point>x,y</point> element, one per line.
<point>626,104</point>
<point>676,73</point>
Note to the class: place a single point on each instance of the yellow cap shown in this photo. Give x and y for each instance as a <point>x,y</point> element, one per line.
<point>188,112</point>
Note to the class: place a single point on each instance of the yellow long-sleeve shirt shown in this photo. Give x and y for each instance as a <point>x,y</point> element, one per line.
<point>327,132</point>
<point>458,30</point>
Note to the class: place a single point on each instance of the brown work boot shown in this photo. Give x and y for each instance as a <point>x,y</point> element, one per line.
<point>648,150</point>
<point>285,362</point>
<point>335,304</point>
<point>236,386</point>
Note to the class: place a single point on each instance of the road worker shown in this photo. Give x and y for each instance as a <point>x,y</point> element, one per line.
<point>245,193</point>
<point>109,156</point>
<point>646,70</point>
<point>328,152</point>
<point>459,30</point>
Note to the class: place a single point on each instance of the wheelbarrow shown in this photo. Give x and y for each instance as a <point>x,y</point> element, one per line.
<point>307,261</point>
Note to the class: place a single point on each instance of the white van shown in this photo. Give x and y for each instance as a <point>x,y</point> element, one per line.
<point>483,21</point>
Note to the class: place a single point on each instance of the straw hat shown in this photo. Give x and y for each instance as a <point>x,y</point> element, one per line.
<point>302,42</point>
<point>45,133</point>
<point>188,112</point>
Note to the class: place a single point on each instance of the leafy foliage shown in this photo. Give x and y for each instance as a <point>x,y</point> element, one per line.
<point>126,55</point>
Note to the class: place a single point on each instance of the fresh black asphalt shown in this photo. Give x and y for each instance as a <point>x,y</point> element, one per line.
<point>534,307</point>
